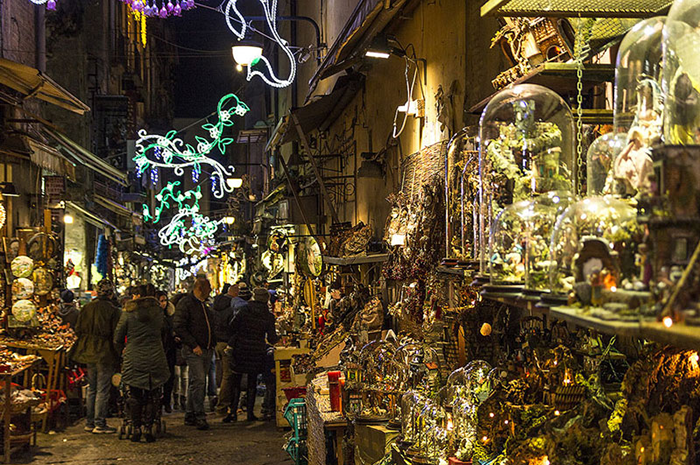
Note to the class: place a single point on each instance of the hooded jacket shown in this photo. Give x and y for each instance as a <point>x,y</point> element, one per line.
<point>252,324</point>
<point>95,330</point>
<point>142,324</point>
<point>68,313</point>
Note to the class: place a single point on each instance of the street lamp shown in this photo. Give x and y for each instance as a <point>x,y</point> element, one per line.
<point>234,183</point>
<point>229,220</point>
<point>246,52</point>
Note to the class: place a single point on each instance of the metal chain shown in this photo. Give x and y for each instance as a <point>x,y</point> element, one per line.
<point>581,51</point>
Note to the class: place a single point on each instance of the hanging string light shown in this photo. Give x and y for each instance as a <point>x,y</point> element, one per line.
<point>160,9</point>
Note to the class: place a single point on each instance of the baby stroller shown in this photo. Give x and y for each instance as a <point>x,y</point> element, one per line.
<point>126,428</point>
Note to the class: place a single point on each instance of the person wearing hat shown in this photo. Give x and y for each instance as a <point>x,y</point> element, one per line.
<point>95,327</point>
<point>253,328</point>
<point>68,309</point>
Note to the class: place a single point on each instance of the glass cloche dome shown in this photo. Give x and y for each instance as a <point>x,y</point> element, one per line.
<point>526,148</point>
<point>681,73</point>
<point>600,157</point>
<point>638,98</point>
<point>596,253</point>
<point>520,241</point>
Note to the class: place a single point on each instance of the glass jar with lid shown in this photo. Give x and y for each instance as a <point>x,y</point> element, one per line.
<point>681,74</point>
<point>598,259</point>
<point>526,148</point>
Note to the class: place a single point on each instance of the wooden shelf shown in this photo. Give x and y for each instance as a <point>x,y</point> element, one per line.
<point>683,336</point>
<point>357,260</point>
<point>561,77</point>
<point>612,327</point>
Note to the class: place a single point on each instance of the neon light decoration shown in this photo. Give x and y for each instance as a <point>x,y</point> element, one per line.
<point>188,229</point>
<point>170,152</point>
<point>270,8</point>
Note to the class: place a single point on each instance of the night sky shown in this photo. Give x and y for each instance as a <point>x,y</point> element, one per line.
<point>203,77</point>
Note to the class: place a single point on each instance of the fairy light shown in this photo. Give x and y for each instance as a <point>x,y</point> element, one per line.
<point>50,4</point>
<point>170,152</point>
<point>240,29</point>
<point>668,321</point>
<point>693,358</point>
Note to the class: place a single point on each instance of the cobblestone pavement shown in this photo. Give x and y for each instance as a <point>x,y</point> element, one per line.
<point>243,443</point>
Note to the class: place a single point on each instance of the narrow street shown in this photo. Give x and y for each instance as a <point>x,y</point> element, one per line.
<point>241,443</point>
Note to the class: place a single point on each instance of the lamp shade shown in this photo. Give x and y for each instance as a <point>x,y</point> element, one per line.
<point>246,52</point>
<point>8,190</point>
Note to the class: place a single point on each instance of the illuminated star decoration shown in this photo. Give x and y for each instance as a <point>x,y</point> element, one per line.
<point>170,152</point>
<point>270,8</point>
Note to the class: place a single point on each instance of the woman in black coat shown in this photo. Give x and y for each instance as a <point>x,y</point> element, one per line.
<point>253,327</point>
<point>145,368</point>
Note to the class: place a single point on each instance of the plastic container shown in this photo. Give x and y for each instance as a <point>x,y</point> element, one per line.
<point>335,390</point>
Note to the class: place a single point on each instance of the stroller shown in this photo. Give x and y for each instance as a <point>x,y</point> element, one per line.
<point>126,428</point>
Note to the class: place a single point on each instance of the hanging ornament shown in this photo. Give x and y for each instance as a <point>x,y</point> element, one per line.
<point>50,4</point>
<point>240,29</point>
<point>150,8</point>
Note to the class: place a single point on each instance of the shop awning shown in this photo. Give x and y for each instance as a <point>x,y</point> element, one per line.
<point>117,208</point>
<point>92,218</point>
<point>369,19</point>
<point>51,159</point>
<point>32,83</point>
<point>319,114</point>
<point>87,158</point>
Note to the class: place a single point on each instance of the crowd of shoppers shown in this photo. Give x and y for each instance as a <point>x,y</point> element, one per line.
<point>169,352</point>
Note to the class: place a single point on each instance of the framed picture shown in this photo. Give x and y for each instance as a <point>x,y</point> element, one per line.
<point>11,246</point>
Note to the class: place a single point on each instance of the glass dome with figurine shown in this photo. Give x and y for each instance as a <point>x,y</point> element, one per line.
<point>681,74</point>
<point>600,157</point>
<point>638,99</point>
<point>598,260</point>
<point>520,240</point>
<point>526,148</point>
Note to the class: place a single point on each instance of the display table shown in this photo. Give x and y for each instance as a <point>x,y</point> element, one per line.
<point>19,414</point>
<point>286,378</point>
<point>55,381</point>
<point>326,428</point>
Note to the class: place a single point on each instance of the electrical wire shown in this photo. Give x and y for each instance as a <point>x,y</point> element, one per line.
<point>409,90</point>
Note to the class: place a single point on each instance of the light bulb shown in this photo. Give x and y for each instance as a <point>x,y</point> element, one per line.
<point>68,219</point>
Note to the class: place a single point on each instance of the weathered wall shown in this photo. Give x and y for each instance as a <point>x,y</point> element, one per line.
<point>18,31</point>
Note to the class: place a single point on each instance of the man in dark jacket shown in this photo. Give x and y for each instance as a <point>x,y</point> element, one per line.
<point>95,330</point>
<point>253,327</point>
<point>194,325</point>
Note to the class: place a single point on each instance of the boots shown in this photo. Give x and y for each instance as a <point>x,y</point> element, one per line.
<point>183,403</point>
<point>136,435</point>
<point>149,436</point>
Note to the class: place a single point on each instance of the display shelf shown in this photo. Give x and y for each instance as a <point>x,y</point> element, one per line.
<point>561,77</point>
<point>451,271</point>
<point>683,336</point>
<point>12,443</point>
<point>575,8</point>
<point>613,327</point>
<point>357,260</point>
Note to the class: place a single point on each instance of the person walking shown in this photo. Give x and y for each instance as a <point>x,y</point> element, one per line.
<point>194,326</point>
<point>95,329</point>
<point>145,367</point>
<point>223,312</point>
<point>253,327</point>
<point>170,346</point>
<point>181,381</point>
<point>68,309</point>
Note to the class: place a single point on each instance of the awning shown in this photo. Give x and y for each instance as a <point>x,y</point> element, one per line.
<point>117,208</point>
<point>31,82</point>
<point>319,114</point>
<point>369,19</point>
<point>51,159</point>
<point>92,218</point>
<point>87,158</point>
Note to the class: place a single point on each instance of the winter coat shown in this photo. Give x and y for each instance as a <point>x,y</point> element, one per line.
<point>68,313</point>
<point>143,325</point>
<point>252,325</point>
<point>222,313</point>
<point>194,323</point>
<point>95,327</point>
